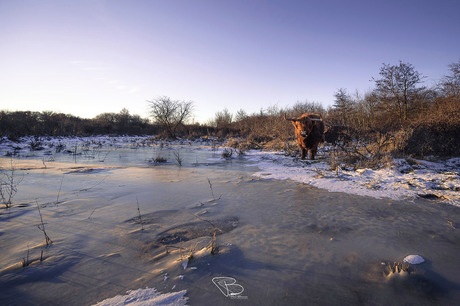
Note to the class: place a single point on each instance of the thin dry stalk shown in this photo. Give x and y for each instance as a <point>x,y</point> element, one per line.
<point>59,192</point>
<point>98,183</point>
<point>25,261</point>
<point>41,226</point>
<point>212,224</point>
<point>140,216</point>
<point>212,191</point>
<point>212,244</point>
<point>43,161</point>
<point>89,217</point>
<point>75,152</point>
<point>191,251</point>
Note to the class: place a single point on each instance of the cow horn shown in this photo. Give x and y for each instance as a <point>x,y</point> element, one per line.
<point>290,119</point>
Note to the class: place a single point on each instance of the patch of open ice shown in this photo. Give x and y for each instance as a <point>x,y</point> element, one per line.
<point>148,296</point>
<point>414,259</point>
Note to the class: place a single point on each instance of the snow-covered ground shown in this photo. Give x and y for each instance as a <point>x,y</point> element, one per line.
<point>438,180</point>
<point>146,297</point>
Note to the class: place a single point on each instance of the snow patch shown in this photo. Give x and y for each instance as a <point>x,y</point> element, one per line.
<point>414,259</point>
<point>431,180</point>
<point>148,296</point>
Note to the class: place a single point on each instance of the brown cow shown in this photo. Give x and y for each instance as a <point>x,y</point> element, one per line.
<point>309,130</point>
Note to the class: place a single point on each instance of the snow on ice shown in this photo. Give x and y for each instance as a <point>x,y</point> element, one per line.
<point>148,296</point>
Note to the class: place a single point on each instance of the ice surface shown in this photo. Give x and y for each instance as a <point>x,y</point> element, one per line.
<point>293,243</point>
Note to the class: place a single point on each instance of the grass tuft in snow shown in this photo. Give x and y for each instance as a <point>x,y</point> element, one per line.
<point>397,268</point>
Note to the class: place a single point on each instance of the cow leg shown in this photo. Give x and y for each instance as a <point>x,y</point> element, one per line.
<point>303,153</point>
<point>313,153</point>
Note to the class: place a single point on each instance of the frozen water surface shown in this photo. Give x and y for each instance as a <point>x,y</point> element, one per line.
<point>277,242</point>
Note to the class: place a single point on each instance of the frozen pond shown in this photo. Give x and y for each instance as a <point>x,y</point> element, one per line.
<point>281,241</point>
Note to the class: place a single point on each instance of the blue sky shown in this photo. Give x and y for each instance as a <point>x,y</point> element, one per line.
<point>87,57</point>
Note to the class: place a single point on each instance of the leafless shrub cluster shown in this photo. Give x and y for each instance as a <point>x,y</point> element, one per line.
<point>178,157</point>
<point>227,153</point>
<point>158,159</point>
<point>414,120</point>
<point>374,153</point>
<point>9,182</point>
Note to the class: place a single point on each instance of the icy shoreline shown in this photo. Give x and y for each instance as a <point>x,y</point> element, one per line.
<point>435,180</point>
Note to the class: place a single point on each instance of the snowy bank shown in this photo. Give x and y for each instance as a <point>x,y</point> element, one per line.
<point>434,180</point>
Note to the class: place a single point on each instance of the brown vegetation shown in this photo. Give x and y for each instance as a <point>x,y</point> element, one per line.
<point>398,117</point>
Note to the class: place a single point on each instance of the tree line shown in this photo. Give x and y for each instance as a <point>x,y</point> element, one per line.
<point>27,123</point>
<point>415,119</point>
<point>426,119</point>
<point>399,99</point>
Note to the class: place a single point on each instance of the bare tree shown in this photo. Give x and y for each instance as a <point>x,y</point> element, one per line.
<point>223,119</point>
<point>398,87</point>
<point>306,106</point>
<point>450,84</point>
<point>343,105</point>
<point>241,115</point>
<point>170,114</point>
<point>370,106</point>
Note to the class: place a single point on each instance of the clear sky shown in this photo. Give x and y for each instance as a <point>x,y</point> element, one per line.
<point>85,57</point>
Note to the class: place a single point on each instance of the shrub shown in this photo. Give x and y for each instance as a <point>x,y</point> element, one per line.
<point>227,153</point>
<point>434,138</point>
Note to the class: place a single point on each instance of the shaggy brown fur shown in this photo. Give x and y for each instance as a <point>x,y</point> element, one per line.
<point>309,130</point>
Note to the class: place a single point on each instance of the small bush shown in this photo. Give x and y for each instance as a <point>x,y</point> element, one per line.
<point>59,147</point>
<point>159,159</point>
<point>232,143</point>
<point>227,153</point>
<point>36,145</point>
<point>434,138</point>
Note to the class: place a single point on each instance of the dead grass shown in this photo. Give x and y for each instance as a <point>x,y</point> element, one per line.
<point>25,260</point>
<point>159,159</point>
<point>213,245</point>
<point>397,268</point>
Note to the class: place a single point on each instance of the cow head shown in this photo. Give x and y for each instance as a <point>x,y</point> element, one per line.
<point>303,125</point>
